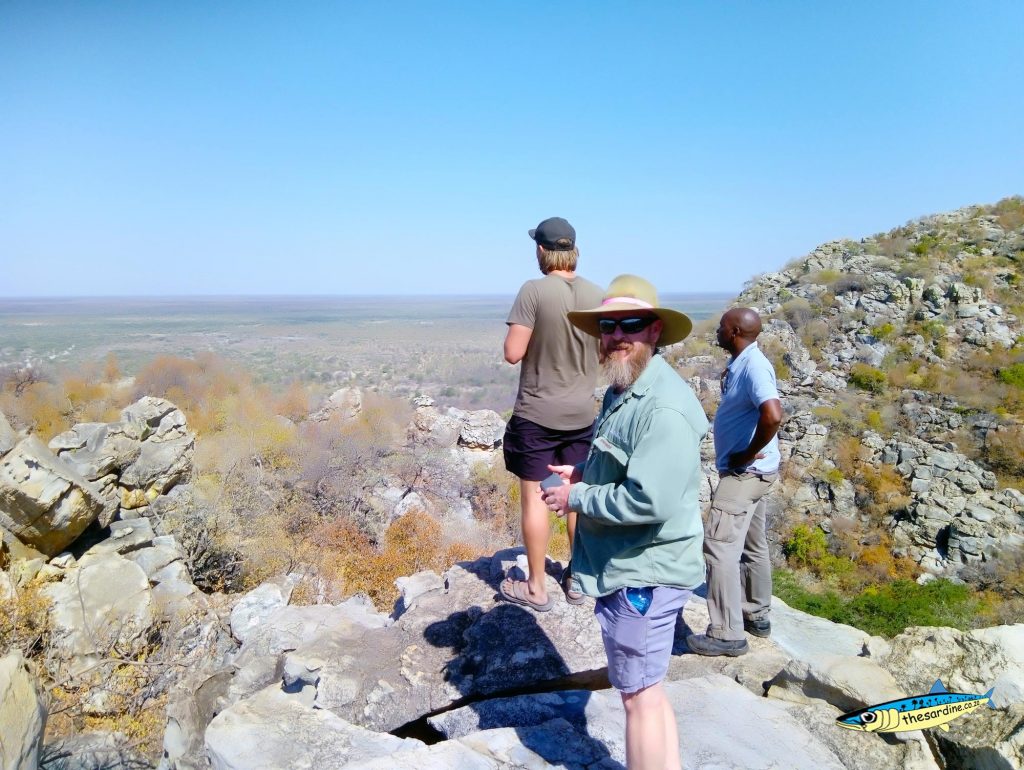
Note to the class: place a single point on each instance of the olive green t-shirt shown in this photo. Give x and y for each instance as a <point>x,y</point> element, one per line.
<point>559,372</point>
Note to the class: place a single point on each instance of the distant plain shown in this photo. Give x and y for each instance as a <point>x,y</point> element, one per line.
<point>448,347</point>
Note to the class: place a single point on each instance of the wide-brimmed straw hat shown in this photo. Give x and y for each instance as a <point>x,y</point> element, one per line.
<point>631,292</point>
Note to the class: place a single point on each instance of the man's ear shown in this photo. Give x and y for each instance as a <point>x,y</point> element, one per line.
<point>654,331</point>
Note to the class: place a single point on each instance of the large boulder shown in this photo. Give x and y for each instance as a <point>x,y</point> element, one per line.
<point>968,661</point>
<point>102,605</point>
<point>252,610</point>
<point>43,501</point>
<point>95,449</point>
<point>481,429</point>
<point>165,456</point>
<point>22,715</point>
<point>133,461</point>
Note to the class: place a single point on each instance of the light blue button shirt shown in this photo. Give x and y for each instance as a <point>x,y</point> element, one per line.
<point>749,382</point>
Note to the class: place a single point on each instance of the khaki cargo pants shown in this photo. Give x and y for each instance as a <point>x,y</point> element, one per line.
<point>736,550</point>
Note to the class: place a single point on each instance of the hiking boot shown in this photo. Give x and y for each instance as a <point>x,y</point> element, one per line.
<point>761,627</point>
<point>708,645</point>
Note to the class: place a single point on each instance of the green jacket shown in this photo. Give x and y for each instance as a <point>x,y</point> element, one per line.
<point>639,522</point>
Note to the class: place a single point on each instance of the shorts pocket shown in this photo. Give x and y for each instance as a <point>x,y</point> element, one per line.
<point>725,521</point>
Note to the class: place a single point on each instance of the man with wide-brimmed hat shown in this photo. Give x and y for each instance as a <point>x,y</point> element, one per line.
<point>554,411</point>
<point>638,546</point>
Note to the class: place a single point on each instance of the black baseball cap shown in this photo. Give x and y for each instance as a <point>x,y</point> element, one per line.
<point>554,233</point>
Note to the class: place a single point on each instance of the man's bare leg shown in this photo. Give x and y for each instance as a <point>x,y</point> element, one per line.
<point>536,528</point>
<point>652,738</point>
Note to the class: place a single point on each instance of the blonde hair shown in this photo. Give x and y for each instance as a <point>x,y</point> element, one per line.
<point>557,260</point>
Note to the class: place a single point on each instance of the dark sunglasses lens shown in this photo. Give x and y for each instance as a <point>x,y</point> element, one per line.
<point>634,325</point>
<point>628,325</point>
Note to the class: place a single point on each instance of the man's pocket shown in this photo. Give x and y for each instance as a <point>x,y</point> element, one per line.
<point>727,521</point>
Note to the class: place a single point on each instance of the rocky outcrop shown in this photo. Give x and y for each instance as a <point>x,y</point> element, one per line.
<point>343,404</point>
<point>22,715</point>
<point>928,294</point>
<point>507,688</point>
<point>133,461</point>
<point>482,429</point>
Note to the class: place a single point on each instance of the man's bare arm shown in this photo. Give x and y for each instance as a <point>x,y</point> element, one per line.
<point>516,341</point>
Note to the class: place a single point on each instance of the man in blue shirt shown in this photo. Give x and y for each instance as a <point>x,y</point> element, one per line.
<point>739,573</point>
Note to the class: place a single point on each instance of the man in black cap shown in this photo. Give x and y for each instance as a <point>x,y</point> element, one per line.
<point>554,411</point>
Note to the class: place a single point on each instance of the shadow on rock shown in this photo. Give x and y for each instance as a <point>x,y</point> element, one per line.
<point>511,675</point>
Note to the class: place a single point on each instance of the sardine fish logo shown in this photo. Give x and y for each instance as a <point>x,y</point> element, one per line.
<point>935,709</point>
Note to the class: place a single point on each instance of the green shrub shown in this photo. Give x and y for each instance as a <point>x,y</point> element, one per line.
<point>932,330</point>
<point>833,476</point>
<point>887,609</point>
<point>1013,375</point>
<point>867,378</point>
<point>883,331</point>
<point>926,244</point>
<point>805,546</point>
<point>824,277</point>
<point>875,421</point>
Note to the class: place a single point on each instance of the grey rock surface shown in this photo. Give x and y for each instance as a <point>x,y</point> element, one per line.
<point>43,501</point>
<point>8,437</point>
<point>22,715</point>
<point>270,731</point>
<point>104,603</point>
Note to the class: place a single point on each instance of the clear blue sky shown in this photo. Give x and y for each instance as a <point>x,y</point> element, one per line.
<point>154,148</point>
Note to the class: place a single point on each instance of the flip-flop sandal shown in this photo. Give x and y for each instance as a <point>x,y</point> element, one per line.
<point>572,596</point>
<point>517,592</point>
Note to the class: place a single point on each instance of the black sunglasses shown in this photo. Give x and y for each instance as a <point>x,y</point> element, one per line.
<point>628,325</point>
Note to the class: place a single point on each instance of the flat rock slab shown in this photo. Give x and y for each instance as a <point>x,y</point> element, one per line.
<point>805,636</point>
<point>103,603</point>
<point>271,730</point>
<point>846,682</point>
<point>457,642</point>
<point>721,725</point>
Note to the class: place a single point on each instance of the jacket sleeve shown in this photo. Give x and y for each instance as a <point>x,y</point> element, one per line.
<point>649,493</point>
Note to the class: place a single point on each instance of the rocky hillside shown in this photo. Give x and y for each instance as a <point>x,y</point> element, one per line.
<point>901,363</point>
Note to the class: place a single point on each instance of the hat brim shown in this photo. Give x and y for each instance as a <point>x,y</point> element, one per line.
<point>532,233</point>
<point>676,326</point>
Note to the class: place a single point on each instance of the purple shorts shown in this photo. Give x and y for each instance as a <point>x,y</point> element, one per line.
<point>639,646</point>
<point>530,448</point>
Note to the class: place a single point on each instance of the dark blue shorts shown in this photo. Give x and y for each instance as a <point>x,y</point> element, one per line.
<point>530,448</point>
